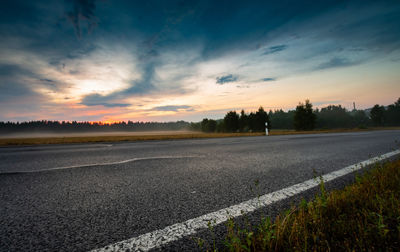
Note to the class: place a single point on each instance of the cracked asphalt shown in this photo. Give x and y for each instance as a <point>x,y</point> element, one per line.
<point>82,208</point>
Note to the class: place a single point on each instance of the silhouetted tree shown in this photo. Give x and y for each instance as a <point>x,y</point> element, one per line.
<point>281,119</point>
<point>392,114</point>
<point>231,121</point>
<point>333,116</point>
<point>195,126</point>
<point>221,126</point>
<point>261,117</point>
<point>243,122</point>
<point>203,124</point>
<point>377,115</point>
<point>208,125</point>
<point>304,117</point>
<point>359,119</point>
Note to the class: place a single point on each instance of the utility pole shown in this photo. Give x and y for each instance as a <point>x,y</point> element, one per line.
<point>354,106</point>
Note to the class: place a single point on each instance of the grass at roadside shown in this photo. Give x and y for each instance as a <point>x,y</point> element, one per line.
<point>364,216</point>
<point>169,136</point>
<point>94,139</point>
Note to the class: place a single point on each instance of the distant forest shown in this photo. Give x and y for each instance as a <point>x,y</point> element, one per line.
<point>66,127</point>
<point>304,117</point>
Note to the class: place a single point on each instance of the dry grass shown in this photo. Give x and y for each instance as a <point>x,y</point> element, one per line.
<point>364,216</point>
<point>94,139</point>
<point>91,138</point>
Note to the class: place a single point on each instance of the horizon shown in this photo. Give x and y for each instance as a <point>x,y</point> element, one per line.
<point>114,61</point>
<point>178,120</point>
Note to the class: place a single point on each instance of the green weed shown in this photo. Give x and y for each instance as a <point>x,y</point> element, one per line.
<point>364,216</point>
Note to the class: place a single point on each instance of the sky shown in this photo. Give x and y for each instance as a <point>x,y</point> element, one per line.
<point>88,60</point>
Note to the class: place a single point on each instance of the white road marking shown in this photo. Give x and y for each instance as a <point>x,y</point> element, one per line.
<point>102,164</point>
<point>177,231</point>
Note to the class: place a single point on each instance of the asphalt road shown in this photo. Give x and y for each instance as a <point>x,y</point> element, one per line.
<point>84,196</point>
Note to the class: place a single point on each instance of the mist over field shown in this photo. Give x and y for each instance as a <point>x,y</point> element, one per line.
<point>92,134</point>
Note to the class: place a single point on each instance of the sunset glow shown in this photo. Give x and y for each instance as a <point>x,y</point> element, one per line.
<point>168,62</point>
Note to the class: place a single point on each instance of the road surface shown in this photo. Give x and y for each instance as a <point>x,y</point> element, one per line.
<point>86,196</point>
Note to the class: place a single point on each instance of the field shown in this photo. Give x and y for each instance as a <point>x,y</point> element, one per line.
<point>116,138</point>
<point>53,138</point>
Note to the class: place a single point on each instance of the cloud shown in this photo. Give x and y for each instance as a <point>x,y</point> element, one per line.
<point>98,100</point>
<point>335,63</point>
<point>173,108</point>
<point>20,80</point>
<point>16,81</point>
<point>47,80</point>
<point>144,85</point>
<point>227,78</point>
<point>13,70</point>
<point>319,103</point>
<point>137,87</point>
<point>82,10</point>
<point>83,51</point>
<point>51,84</point>
<point>268,79</point>
<point>41,41</point>
<point>275,49</point>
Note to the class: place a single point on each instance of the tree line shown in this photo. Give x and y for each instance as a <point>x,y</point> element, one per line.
<point>234,122</point>
<point>304,117</point>
<point>74,126</point>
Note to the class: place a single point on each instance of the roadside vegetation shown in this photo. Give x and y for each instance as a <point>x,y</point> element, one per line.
<point>364,216</point>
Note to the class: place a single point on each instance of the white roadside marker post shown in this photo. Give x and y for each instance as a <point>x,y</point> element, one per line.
<point>266,129</point>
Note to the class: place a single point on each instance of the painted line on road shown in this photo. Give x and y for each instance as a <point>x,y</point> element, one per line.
<point>177,231</point>
<point>101,164</point>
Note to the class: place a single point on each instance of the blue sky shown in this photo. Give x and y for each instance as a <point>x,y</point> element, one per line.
<point>172,60</point>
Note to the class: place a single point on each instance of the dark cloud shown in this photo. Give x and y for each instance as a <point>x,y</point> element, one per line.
<point>20,81</point>
<point>11,90</point>
<point>268,79</point>
<point>12,70</point>
<point>47,80</point>
<point>54,85</point>
<point>336,63</point>
<point>41,30</point>
<point>99,100</point>
<point>82,52</point>
<point>13,82</point>
<point>82,11</point>
<point>174,108</point>
<point>275,49</point>
<point>227,78</point>
<point>144,85</point>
